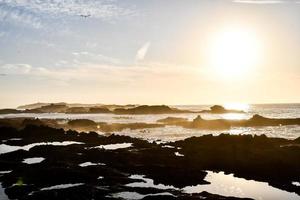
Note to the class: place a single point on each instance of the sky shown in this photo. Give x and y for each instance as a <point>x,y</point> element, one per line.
<point>149,52</point>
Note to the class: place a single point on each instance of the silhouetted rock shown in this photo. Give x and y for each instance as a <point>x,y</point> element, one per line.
<point>29,121</point>
<point>9,111</point>
<point>33,106</point>
<point>52,108</point>
<point>172,120</point>
<point>94,108</point>
<point>223,124</point>
<point>82,123</point>
<point>217,109</point>
<point>258,120</point>
<point>77,110</point>
<point>200,123</point>
<point>99,110</point>
<point>145,109</point>
<point>273,160</point>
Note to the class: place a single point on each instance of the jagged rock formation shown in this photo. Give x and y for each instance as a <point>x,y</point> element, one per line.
<point>276,161</point>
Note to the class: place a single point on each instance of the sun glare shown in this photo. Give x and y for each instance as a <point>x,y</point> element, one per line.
<point>234,52</point>
<point>237,106</point>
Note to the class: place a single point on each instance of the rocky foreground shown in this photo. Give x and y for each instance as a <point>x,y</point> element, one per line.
<point>99,170</point>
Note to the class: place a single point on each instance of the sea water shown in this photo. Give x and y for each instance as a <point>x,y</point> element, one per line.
<point>173,133</point>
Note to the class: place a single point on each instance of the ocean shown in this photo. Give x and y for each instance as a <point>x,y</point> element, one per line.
<point>173,133</point>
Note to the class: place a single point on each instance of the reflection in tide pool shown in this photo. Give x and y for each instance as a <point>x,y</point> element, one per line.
<point>228,185</point>
<point>114,146</point>
<point>148,183</point>
<point>3,196</point>
<point>33,160</point>
<point>4,148</point>
<point>137,196</point>
<point>86,164</point>
<point>62,186</point>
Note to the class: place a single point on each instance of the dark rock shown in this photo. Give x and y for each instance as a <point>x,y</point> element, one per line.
<point>77,110</point>
<point>145,109</point>
<point>172,120</point>
<point>260,158</point>
<point>9,111</point>
<point>82,123</point>
<point>217,109</point>
<point>99,110</point>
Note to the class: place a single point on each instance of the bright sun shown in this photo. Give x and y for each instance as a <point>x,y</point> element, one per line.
<point>234,52</point>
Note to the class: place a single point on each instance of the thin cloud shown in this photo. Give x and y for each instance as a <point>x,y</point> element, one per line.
<point>15,69</point>
<point>37,14</point>
<point>17,16</point>
<point>260,1</point>
<point>98,9</point>
<point>2,34</point>
<point>93,57</point>
<point>104,73</point>
<point>141,53</point>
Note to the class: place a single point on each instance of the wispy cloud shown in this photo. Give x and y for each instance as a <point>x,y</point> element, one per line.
<point>99,73</point>
<point>19,16</point>
<point>94,57</point>
<point>33,12</point>
<point>265,1</point>
<point>141,53</point>
<point>97,9</point>
<point>16,69</point>
<point>2,34</point>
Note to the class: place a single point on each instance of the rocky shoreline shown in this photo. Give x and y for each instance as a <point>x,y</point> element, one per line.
<point>89,166</point>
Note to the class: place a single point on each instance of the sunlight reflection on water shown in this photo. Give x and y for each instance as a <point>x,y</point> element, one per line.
<point>228,185</point>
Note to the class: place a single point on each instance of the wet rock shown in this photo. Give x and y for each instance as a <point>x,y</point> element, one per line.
<point>258,158</point>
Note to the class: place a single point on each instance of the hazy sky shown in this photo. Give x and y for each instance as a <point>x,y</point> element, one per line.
<point>146,51</point>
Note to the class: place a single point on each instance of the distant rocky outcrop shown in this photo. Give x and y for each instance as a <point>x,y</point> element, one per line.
<point>217,109</point>
<point>37,106</point>
<point>32,106</point>
<point>224,124</point>
<point>82,123</point>
<point>172,120</point>
<point>197,123</point>
<point>93,108</point>
<point>52,108</point>
<point>77,110</point>
<point>200,123</point>
<point>145,109</point>
<point>99,110</point>
<point>9,111</point>
<point>258,120</point>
